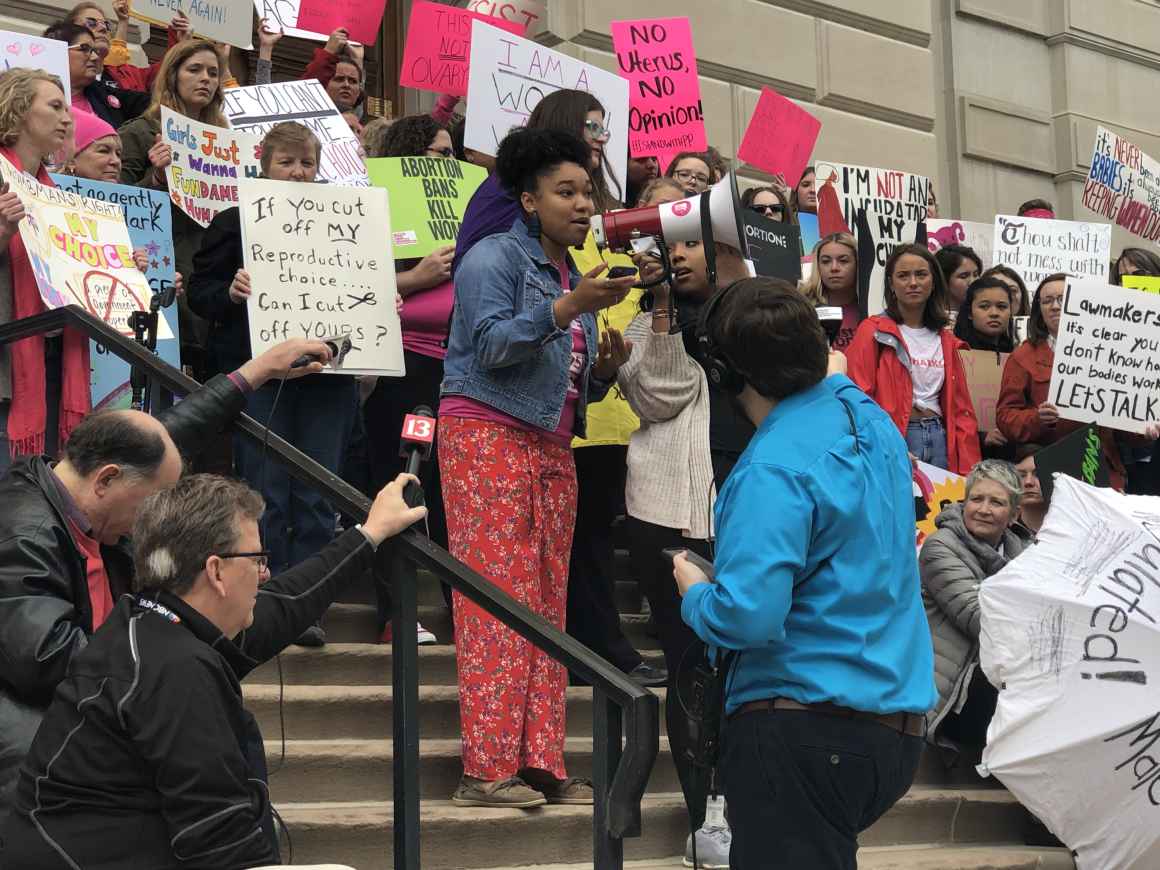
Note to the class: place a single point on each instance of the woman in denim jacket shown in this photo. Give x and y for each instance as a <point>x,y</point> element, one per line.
<point>523,361</point>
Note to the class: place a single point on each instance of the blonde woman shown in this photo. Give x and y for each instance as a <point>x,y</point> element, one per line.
<point>834,281</point>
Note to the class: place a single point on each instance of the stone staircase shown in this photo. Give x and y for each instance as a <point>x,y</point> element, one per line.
<point>331,778</point>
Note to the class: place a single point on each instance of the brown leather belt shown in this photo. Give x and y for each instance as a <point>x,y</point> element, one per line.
<point>912,724</point>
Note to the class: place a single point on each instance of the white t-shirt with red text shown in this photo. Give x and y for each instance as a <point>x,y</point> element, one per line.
<point>927,366</point>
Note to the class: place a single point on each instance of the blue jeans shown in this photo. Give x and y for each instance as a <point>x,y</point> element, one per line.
<point>314,415</point>
<point>927,439</point>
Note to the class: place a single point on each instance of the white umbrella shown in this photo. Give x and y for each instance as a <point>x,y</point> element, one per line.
<point>1071,636</point>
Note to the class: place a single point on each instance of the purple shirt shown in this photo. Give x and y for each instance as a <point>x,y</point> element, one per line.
<point>492,209</point>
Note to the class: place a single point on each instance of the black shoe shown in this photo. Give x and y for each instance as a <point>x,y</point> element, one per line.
<point>648,677</point>
<point>313,636</point>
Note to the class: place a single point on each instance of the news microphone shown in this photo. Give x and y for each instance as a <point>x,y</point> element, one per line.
<point>339,346</point>
<point>830,317</point>
<point>418,439</point>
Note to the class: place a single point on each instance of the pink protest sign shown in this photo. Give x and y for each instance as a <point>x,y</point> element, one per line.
<point>656,56</point>
<point>780,137</point>
<point>361,18</point>
<point>438,47</point>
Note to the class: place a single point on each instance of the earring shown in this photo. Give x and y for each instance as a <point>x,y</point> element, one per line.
<point>535,229</point>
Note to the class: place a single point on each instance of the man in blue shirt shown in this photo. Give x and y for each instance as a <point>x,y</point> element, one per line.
<point>817,589</point>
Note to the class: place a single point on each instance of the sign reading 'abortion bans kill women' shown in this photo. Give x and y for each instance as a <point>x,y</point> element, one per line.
<point>1124,185</point>
<point>1107,356</point>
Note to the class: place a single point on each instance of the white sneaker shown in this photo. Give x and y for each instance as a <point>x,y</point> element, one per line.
<point>712,848</point>
<point>424,637</point>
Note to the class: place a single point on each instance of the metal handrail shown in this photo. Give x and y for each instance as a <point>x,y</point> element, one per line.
<point>620,772</point>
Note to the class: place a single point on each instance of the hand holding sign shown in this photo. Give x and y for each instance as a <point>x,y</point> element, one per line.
<point>11,214</point>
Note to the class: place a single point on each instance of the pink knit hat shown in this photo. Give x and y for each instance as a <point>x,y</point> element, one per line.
<point>88,128</point>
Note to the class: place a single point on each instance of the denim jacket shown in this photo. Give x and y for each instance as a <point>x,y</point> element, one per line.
<point>505,349</point>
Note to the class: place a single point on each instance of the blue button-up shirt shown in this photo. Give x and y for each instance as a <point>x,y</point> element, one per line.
<point>817,577</point>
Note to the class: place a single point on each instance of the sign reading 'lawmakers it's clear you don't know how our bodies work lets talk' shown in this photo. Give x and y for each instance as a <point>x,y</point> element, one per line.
<point>321,265</point>
<point>1107,356</point>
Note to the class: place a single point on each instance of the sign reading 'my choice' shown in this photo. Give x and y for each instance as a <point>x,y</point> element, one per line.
<point>80,252</point>
<point>509,76</point>
<point>889,193</point>
<point>664,94</point>
<point>1123,185</point>
<point>321,264</point>
<point>1107,356</point>
<point>428,198</point>
<point>438,49</point>
<point>208,162</point>
<point>1038,247</point>
<point>258,108</point>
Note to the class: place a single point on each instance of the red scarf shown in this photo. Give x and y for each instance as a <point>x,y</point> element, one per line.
<point>27,416</point>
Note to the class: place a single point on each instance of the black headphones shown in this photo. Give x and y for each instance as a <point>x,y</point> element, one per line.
<point>720,371</point>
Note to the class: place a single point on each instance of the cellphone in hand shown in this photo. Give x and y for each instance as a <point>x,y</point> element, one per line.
<point>621,272</point>
<point>701,562</point>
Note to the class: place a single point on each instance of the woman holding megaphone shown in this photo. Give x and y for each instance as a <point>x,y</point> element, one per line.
<point>523,361</point>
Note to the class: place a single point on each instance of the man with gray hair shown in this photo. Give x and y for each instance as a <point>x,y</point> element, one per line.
<point>147,756</point>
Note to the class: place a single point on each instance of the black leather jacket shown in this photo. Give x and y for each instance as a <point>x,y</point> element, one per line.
<point>45,614</point>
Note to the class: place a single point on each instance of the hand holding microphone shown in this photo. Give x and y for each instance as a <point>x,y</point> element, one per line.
<point>418,440</point>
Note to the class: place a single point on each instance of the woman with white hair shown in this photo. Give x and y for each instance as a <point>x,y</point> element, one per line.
<point>974,541</point>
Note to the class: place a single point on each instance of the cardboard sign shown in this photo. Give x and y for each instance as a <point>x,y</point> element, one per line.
<point>1123,185</point>
<point>1021,325</point>
<point>1079,455</point>
<point>976,235</point>
<point>361,18</point>
<point>1038,247</point>
<point>283,15</point>
<point>1107,356</point>
<point>218,20</point>
<point>256,109</point>
<point>208,162</point>
<point>35,52</point>
<point>780,137</point>
<point>773,247</point>
<point>1147,283</point>
<point>984,371</point>
<point>79,251</point>
<point>509,76</point>
<point>438,48</point>
<point>529,14</point>
<point>150,224</point>
<point>664,93</point>
<point>321,264</point>
<point>428,198</point>
<point>877,237</point>
<point>890,193</point>
<point>934,489</point>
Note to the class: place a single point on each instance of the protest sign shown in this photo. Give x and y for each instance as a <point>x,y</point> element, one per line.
<point>509,76</point>
<point>149,219</point>
<point>984,371</point>
<point>976,235</point>
<point>1147,283</point>
<point>321,264</point>
<point>428,198</point>
<point>438,48</point>
<point>220,20</point>
<point>361,18</point>
<point>934,488</point>
<point>1079,455</point>
<point>207,163</point>
<point>889,193</point>
<point>877,237</point>
<point>774,248</point>
<point>1021,324</point>
<point>1123,185</point>
<point>283,15</point>
<point>79,251</point>
<point>256,109</point>
<point>530,14</point>
<point>1107,356</point>
<point>780,137</point>
<point>1038,247</point>
<point>34,52</point>
<point>664,94</point>
<point>808,223</point>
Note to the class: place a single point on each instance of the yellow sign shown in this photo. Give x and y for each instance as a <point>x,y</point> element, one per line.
<point>1147,283</point>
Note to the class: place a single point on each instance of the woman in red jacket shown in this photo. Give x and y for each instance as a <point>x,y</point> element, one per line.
<point>905,359</point>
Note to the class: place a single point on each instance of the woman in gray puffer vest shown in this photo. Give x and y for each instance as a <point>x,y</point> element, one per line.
<point>973,542</point>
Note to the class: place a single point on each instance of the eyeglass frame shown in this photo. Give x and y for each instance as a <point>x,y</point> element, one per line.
<point>91,48</point>
<point>101,24</point>
<point>597,130</point>
<point>691,175</point>
<point>262,557</point>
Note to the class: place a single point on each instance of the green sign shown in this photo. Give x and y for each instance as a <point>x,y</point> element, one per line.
<point>428,196</point>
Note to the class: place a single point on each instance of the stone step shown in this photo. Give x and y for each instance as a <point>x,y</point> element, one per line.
<point>360,833</point>
<point>361,770</point>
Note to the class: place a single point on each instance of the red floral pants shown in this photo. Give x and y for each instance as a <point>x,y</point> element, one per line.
<point>510,498</point>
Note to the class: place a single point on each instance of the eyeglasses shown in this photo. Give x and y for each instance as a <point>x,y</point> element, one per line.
<point>689,175</point>
<point>597,130</point>
<point>98,24</point>
<point>440,152</point>
<point>769,209</point>
<point>1051,301</point>
<point>88,48</point>
<point>261,558</point>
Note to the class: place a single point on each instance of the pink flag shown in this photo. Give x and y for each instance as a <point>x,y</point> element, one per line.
<point>780,137</point>
<point>438,47</point>
<point>664,93</point>
<point>361,18</point>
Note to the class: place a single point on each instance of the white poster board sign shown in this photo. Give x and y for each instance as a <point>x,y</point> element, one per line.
<point>283,15</point>
<point>528,13</point>
<point>976,235</point>
<point>1107,356</point>
<point>320,264</point>
<point>256,109</point>
<point>890,193</point>
<point>228,21</point>
<point>1038,247</point>
<point>207,163</point>
<point>509,76</point>
<point>35,52</point>
<point>1123,185</point>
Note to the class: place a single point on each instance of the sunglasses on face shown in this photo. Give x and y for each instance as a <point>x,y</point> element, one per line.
<point>597,130</point>
<point>772,210</point>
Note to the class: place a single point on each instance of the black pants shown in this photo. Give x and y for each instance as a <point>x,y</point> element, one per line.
<point>800,786</point>
<point>969,726</point>
<point>592,615</point>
